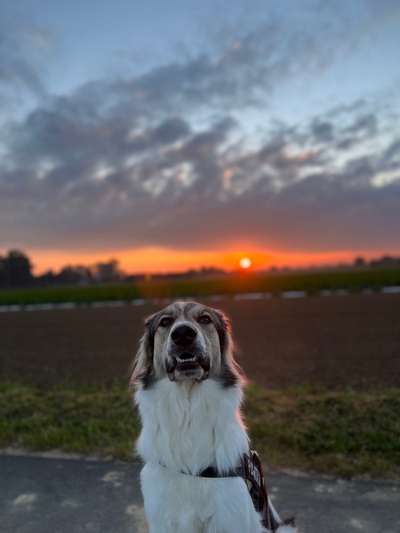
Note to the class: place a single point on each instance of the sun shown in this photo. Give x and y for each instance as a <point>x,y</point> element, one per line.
<point>245,263</point>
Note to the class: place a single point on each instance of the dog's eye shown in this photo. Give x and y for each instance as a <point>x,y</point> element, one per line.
<point>204,319</point>
<point>166,321</point>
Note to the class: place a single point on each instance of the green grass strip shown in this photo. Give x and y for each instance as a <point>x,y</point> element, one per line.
<point>345,433</point>
<point>311,282</point>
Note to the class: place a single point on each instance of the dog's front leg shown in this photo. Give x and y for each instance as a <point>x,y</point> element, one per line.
<point>170,501</point>
<point>170,525</point>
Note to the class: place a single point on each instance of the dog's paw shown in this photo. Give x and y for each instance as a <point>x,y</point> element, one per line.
<point>287,529</point>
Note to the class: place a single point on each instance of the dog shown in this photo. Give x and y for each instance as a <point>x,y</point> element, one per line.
<point>189,389</point>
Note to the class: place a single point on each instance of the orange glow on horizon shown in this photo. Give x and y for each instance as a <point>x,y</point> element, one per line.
<point>162,260</point>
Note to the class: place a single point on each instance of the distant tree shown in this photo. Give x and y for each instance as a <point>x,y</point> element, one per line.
<point>16,269</point>
<point>359,262</point>
<point>2,271</point>
<point>47,278</point>
<point>107,271</point>
<point>74,274</point>
<point>210,271</point>
<point>386,261</point>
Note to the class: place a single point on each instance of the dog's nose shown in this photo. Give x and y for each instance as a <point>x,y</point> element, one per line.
<point>183,335</point>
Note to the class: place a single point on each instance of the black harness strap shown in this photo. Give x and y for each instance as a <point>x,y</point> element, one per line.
<point>212,472</point>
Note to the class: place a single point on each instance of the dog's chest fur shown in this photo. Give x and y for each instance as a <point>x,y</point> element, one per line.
<point>188,427</point>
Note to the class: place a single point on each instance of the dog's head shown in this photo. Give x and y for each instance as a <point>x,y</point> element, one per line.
<point>186,341</point>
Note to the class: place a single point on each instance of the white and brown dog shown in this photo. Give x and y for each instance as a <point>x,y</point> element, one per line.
<point>189,391</point>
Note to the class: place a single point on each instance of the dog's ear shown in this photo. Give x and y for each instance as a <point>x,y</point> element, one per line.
<point>142,366</point>
<point>224,330</point>
<point>231,373</point>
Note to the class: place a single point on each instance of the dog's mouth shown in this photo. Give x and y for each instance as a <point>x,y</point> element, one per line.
<point>187,365</point>
<point>186,362</point>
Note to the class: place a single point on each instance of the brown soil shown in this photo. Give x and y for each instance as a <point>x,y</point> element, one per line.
<point>333,341</point>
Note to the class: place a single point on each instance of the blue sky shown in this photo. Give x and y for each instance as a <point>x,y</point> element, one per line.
<point>261,112</point>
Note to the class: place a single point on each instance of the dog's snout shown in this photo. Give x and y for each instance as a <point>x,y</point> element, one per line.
<point>183,335</point>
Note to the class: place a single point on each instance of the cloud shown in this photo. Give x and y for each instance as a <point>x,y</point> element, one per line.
<point>322,131</point>
<point>24,46</point>
<point>392,152</point>
<point>364,124</point>
<point>92,181</point>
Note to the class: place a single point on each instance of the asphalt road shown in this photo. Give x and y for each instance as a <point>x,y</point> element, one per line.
<point>43,495</point>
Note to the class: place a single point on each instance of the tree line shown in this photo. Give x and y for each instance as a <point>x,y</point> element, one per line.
<point>16,270</point>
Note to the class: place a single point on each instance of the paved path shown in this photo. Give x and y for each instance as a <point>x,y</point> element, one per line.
<point>42,495</point>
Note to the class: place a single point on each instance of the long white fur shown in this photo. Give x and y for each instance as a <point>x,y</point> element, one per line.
<point>187,427</point>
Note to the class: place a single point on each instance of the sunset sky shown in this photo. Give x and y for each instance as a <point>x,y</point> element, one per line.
<point>178,134</point>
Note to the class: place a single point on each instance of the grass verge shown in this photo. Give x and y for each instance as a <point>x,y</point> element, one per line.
<point>311,282</point>
<point>346,433</point>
